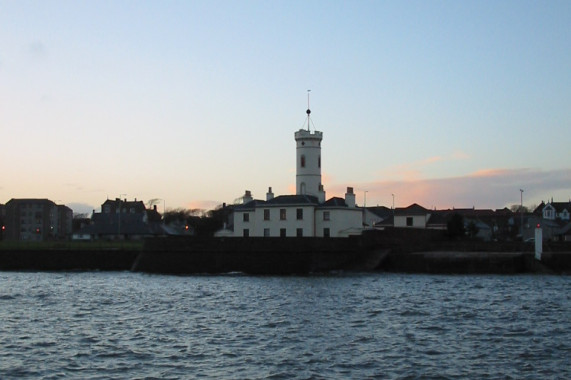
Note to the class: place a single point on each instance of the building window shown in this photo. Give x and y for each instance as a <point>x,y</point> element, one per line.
<point>303,161</point>
<point>246,217</point>
<point>409,221</point>
<point>319,162</point>
<point>246,232</point>
<point>266,214</point>
<point>299,213</point>
<point>266,232</point>
<point>326,232</point>
<point>326,215</point>
<point>282,232</point>
<point>299,232</point>
<point>282,214</point>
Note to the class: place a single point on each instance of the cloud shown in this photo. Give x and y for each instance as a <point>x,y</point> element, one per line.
<point>487,188</point>
<point>413,170</point>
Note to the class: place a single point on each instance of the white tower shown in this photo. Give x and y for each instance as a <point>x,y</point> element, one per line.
<point>308,162</point>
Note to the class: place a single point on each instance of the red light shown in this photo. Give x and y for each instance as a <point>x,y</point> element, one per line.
<point>186,227</point>
<point>3,228</point>
<point>538,225</point>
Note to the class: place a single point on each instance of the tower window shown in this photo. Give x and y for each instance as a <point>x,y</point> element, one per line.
<point>303,161</point>
<point>319,162</point>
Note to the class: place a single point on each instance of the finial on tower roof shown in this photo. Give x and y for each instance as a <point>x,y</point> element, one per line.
<point>308,112</point>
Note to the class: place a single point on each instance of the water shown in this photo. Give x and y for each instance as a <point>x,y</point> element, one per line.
<point>386,326</point>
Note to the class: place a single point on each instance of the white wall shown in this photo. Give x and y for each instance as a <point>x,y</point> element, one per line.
<point>257,224</point>
<point>418,221</point>
<point>339,219</point>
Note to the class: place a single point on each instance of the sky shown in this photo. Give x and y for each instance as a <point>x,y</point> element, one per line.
<point>448,104</point>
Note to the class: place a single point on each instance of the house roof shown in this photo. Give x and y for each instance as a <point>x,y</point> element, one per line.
<point>292,200</point>
<point>413,209</point>
<point>380,211</point>
<point>560,206</point>
<point>334,202</point>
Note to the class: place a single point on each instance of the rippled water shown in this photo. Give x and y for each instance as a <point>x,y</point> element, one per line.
<point>129,325</point>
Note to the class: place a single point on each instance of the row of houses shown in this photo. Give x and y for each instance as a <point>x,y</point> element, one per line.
<point>307,213</point>
<point>44,220</point>
<point>484,224</point>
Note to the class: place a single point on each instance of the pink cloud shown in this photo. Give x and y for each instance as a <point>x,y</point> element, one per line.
<point>487,188</point>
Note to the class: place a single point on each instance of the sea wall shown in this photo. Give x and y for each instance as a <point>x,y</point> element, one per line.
<point>379,252</point>
<point>67,260</point>
<point>183,255</point>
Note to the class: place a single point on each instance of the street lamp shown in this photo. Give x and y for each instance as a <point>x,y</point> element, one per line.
<point>521,212</point>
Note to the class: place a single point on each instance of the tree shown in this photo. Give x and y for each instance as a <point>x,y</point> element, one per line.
<point>455,226</point>
<point>472,229</point>
<point>518,209</point>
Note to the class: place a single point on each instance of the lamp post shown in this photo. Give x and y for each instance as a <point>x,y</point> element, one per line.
<point>521,212</point>
<point>393,204</point>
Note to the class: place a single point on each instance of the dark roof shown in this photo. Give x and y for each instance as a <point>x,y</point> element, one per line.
<point>137,206</point>
<point>413,209</point>
<point>282,200</point>
<point>29,200</point>
<point>293,199</point>
<point>381,211</point>
<point>560,206</point>
<point>334,202</point>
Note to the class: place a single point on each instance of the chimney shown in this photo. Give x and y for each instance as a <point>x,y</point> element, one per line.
<point>321,194</point>
<point>269,194</point>
<point>350,197</point>
<point>247,197</point>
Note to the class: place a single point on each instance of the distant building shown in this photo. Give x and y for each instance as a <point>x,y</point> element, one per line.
<point>484,224</point>
<point>305,214</point>
<point>122,220</point>
<point>553,218</point>
<point>36,220</point>
<point>556,211</point>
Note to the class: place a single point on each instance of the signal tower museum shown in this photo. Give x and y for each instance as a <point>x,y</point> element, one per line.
<point>305,214</point>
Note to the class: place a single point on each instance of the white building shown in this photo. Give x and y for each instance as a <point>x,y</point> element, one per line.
<point>305,214</point>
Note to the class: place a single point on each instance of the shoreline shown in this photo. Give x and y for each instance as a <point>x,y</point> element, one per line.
<point>284,263</point>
